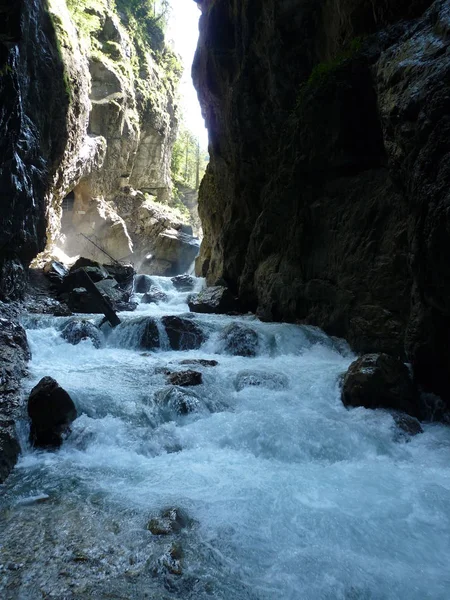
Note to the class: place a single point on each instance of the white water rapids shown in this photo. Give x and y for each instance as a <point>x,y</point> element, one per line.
<point>292,496</point>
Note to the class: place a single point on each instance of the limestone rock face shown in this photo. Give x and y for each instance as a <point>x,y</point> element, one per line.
<point>132,124</point>
<point>325,200</point>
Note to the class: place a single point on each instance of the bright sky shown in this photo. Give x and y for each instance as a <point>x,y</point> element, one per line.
<point>183,31</point>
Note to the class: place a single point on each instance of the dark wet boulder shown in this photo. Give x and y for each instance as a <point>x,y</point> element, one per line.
<point>264,379</point>
<point>175,402</point>
<point>142,284</point>
<point>214,300</point>
<point>202,362</point>
<point>51,411</point>
<point>171,520</point>
<point>80,301</point>
<point>76,331</point>
<point>380,381</point>
<point>123,274</point>
<point>154,296</point>
<point>150,335</point>
<point>55,271</point>
<point>183,334</point>
<point>185,378</point>
<point>239,340</point>
<point>76,277</point>
<point>183,283</point>
<point>406,426</point>
<point>82,263</point>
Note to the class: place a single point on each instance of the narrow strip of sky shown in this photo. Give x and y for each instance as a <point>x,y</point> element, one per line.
<point>183,33</point>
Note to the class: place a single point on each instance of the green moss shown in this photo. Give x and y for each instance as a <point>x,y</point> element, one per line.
<point>62,41</point>
<point>323,73</point>
<point>323,70</point>
<point>86,16</point>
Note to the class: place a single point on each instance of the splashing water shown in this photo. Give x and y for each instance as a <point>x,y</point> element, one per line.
<point>291,496</point>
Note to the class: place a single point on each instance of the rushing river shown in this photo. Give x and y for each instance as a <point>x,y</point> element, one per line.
<point>289,495</point>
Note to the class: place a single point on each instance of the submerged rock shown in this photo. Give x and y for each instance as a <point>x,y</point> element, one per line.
<point>183,334</point>
<point>185,378</point>
<point>51,411</point>
<point>183,283</point>
<point>199,361</point>
<point>270,381</point>
<point>154,295</point>
<point>171,520</point>
<point>214,300</point>
<point>150,335</point>
<point>407,425</point>
<point>380,381</point>
<point>175,402</point>
<point>239,340</point>
<point>76,331</point>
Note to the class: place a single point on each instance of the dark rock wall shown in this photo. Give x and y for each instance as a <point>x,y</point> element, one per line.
<point>327,197</point>
<point>33,106</point>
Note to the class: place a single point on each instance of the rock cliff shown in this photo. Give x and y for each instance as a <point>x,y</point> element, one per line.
<point>40,120</point>
<point>326,199</point>
<point>88,111</point>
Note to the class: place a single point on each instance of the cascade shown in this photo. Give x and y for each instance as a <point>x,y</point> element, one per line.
<point>285,493</point>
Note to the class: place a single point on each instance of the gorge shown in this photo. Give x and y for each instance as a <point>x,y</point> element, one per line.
<point>219,438</point>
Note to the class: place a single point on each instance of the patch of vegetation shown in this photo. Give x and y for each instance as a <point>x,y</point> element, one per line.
<point>62,41</point>
<point>322,70</point>
<point>189,160</point>
<point>86,16</point>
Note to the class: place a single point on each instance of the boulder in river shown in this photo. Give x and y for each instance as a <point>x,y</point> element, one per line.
<point>185,378</point>
<point>183,283</point>
<point>154,296</point>
<point>239,340</point>
<point>142,284</point>
<point>199,361</point>
<point>264,379</point>
<point>51,411</point>
<point>171,520</point>
<point>176,401</point>
<point>150,335</point>
<point>183,334</point>
<point>214,300</point>
<point>76,331</point>
<point>380,381</point>
<point>406,426</point>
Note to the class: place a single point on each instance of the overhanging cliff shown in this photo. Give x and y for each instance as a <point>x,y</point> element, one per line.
<point>326,199</point>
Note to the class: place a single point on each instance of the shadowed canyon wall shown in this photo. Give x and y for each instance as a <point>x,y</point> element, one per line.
<point>36,119</point>
<point>327,196</point>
